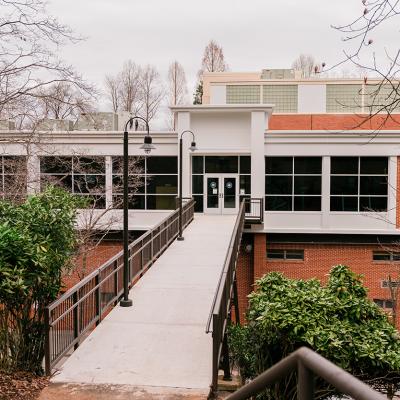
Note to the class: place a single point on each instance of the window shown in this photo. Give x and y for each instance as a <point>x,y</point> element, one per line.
<point>293,183</point>
<point>359,184</point>
<point>386,284</point>
<point>153,182</point>
<point>220,164</point>
<point>84,176</point>
<point>385,256</point>
<point>343,98</point>
<point>13,171</point>
<point>383,303</point>
<point>377,97</point>
<point>274,254</point>
<point>242,94</point>
<point>284,97</point>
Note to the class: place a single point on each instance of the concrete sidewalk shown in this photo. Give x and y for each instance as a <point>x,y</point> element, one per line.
<point>160,342</point>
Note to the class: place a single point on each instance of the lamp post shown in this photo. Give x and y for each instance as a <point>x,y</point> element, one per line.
<point>191,148</point>
<point>147,147</point>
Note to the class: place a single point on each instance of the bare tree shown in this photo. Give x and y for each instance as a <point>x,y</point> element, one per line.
<point>62,101</point>
<point>213,61</point>
<point>213,58</point>
<point>151,92</point>
<point>130,87</point>
<point>382,96</point>
<point>29,43</point>
<point>306,64</point>
<point>113,91</point>
<point>177,88</point>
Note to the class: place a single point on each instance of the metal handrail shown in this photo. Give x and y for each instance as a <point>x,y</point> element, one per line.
<point>254,209</point>
<point>81,308</point>
<point>308,362</point>
<point>221,304</point>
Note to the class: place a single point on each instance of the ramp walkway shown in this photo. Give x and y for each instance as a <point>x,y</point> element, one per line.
<point>160,342</point>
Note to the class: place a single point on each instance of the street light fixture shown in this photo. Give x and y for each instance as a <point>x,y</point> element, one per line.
<point>147,147</point>
<point>191,148</point>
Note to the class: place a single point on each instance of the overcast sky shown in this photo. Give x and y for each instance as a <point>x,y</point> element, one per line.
<point>254,34</point>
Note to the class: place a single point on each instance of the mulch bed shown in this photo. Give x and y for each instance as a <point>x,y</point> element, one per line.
<point>21,386</point>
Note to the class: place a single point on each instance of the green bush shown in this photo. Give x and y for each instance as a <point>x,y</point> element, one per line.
<point>338,321</point>
<point>37,240</point>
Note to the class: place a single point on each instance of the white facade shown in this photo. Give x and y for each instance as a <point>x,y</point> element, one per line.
<point>235,130</point>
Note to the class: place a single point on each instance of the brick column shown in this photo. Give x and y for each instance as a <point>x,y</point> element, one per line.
<point>245,275</point>
<point>259,251</point>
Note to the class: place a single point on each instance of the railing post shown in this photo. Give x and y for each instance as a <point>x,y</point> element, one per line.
<point>305,382</point>
<point>225,361</point>
<point>116,282</point>
<point>215,356</point>
<point>47,342</point>
<point>236,301</point>
<point>97,299</point>
<point>75,318</point>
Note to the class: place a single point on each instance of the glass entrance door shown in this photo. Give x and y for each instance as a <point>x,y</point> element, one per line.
<point>221,194</point>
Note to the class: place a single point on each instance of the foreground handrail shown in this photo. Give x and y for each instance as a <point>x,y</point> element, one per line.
<point>221,304</point>
<point>69,318</point>
<point>308,362</point>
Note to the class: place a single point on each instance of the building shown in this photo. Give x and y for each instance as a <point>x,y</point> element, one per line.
<point>328,178</point>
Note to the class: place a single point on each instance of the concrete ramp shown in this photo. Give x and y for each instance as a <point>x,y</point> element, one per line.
<point>160,343</point>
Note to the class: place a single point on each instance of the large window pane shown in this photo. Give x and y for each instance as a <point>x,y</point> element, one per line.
<point>197,184</point>
<point>136,184</point>
<point>162,165</point>
<point>221,164</point>
<point>89,183</point>
<point>63,181</point>
<point>278,203</point>
<point>344,185</point>
<point>344,203</point>
<point>197,164</point>
<point>136,165</point>
<point>307,203</point>
<point>307,185</point>
<point>198,207</point>
<point>374,204</point>
<point>245,184</point>
<point>373,185</point>
<point>279,165</point>
<point>162,184</point>
<point>161,202</point>
<point>278,184</point>
<point>56,165</point>
<point>374,165</point>
<point>344,165</point>
<point>307,165</point>
<point>245,165</point>
<point>89,165</point>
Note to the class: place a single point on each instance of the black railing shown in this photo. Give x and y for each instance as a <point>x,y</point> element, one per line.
<point>227,288</point>
<point>71,317</point>
<point>307,363</point>
<point>254,209</point>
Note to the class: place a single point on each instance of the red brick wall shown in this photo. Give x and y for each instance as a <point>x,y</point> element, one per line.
<point>332,122</point>
<point>318,260</point>
<point>95,258</point>
<point>244,276</point>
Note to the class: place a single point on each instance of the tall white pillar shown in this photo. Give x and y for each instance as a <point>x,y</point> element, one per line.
<point>183,125</point>
<point>33,170</point>
<point>258,126</point>
<point>326,191</point>
<point>392,190</point>
<point>109,185</point>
